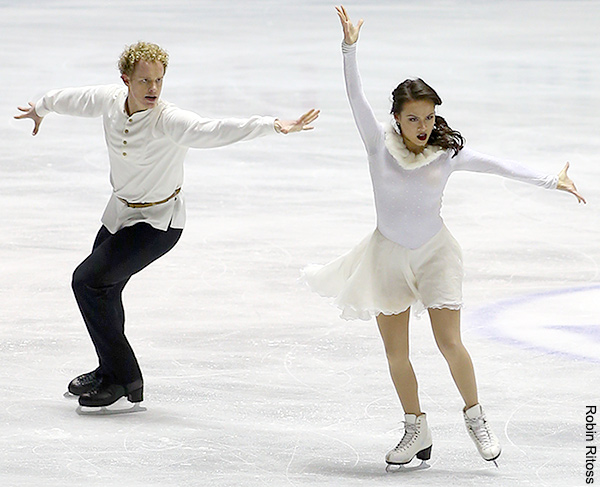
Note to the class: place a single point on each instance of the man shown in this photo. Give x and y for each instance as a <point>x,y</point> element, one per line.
<point>147,141</point>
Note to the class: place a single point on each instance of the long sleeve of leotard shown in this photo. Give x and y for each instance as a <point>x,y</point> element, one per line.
<point>371,131</point>
<point>470,160</point>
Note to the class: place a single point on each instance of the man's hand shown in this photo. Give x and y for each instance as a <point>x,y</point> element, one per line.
<point>565,184</point>
<point>29,112</point>
<point>303,123</point>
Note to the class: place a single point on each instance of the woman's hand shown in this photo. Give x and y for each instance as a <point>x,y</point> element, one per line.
<point>298,125</point>
<point>350,31</point>
<point>29,112</point>
<point>565,184</point>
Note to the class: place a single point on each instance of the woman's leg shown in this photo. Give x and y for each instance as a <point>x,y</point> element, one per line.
<point>446,329</point>
<point>394,331</point>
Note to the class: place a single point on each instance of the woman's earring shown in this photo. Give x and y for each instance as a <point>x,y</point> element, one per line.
<point>396,125</point>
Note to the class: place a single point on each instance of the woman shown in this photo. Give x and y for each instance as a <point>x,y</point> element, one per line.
<point>411,258</point>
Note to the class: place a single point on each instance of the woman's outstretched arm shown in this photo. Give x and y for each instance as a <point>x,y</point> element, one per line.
<point>369,128</point>
<point>470,160</point>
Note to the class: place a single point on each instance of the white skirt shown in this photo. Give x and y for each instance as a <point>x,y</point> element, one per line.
<point>381,276</point>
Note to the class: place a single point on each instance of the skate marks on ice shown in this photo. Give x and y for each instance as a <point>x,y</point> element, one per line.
<point>341,456</point>
<point>325,452</point>
<point>347,363</point>
<point>549,432</point>
<point>319,452</point>
<point>325,354</point>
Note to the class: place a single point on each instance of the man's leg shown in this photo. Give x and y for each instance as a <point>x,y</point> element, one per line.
<point>98,284</point>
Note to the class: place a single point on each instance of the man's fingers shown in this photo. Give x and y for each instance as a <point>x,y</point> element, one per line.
<point>23,109</point>
<point>574,191</point>
<point>309,116</point>
<point>580,199</point>
<point>26,110</point>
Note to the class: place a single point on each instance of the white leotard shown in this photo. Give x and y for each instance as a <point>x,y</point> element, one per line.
<point>408,188</point>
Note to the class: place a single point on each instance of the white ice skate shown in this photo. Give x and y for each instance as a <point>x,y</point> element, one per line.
<point>480,432</point>
<point>416,442</point>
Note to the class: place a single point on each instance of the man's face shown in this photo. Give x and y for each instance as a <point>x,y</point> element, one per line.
<point>145,85</point>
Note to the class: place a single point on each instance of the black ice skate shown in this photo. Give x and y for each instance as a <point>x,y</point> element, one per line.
<point>97,401</point>
<point>83,383</point>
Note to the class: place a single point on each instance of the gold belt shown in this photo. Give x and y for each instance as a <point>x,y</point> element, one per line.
<point>148,205</point>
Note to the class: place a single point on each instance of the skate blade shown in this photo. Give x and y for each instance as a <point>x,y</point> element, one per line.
<point>68,395</point>
<point>493,460</point>
<point>111,410</point>
<point>391,468</point>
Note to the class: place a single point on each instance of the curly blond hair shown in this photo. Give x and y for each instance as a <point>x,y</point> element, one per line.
<point>141,51</point>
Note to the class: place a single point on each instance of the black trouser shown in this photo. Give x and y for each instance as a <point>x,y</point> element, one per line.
<point>98,283</point>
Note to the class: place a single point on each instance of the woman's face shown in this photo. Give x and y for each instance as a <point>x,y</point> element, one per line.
<point>416,123</point>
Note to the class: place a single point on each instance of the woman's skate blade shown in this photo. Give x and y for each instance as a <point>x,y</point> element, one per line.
<point>119,407</point>
<point>394,468</point>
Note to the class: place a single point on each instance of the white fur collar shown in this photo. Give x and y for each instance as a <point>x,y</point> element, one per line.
<point>405,158</point>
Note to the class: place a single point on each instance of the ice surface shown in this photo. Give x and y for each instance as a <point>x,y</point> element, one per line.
<point>250,379</point>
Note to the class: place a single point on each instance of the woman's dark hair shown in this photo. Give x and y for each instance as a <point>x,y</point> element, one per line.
<point>416,89</point>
